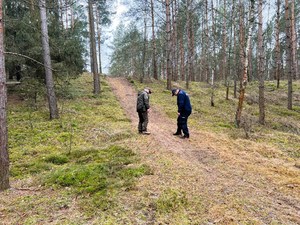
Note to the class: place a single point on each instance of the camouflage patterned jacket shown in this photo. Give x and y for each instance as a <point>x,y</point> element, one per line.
<point>142,103</point>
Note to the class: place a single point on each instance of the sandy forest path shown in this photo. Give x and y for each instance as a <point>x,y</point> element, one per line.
<point>235,183</point>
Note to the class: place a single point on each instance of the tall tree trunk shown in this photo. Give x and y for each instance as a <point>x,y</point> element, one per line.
<point>182,64</point>
<point>154,61</point>
<point>294,41</point>
<point>168,49</point>
<point>189,42</point>
<point>93,49</point>
<point>245,69</point>
<point>206,44</point>
<point>47,62</point>
<point>277,45</point>
<point>214,63</point>
<point>260,65</point>
<point>174,41</point>
<point>4,157</point>
<point>223,72</point>
<point>144,44</point>
<point>99,39</point>
<point>235,51</point>
<point>289,54</point>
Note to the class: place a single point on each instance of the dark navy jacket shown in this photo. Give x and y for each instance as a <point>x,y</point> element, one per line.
<point>183,103</point>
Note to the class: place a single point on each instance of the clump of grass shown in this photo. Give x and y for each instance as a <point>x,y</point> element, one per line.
<point>106,172</point>
<point>171,200</point>
<point>56,159</point>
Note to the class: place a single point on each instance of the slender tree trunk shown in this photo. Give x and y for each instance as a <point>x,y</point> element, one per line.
<point>47,62</point>
<point>189,41</point>
<point>182,64</point>
<point>213,71</point>
<point>154,61</point>
<point>99,39</point>
<point>289,54</point>
<point>4,157</point>
<point>93,49</point>
<point>206,44</point>
<point>245,70</point>
<point>168,50</point>
<point>294,41</point>
<point>277,45</point>
<point>234,58</point>
<point>223,72</point>
<point>144,43</point>
<point>260,64</point>
<point>174,40</point>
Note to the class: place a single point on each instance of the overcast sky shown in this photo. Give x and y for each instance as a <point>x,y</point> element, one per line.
<point>108,33</point>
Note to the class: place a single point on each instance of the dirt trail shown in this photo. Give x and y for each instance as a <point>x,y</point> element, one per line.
<point>229,176</point>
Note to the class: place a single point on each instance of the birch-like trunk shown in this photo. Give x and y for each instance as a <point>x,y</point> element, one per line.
<point>261,97</point>
<point>47,62</point>
<point>245,67</point>
<point>4,157</point>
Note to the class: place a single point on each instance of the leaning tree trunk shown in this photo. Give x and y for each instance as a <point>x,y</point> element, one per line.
<point>261,97</point>
<point>93,49</point>
<point>47,62</point>
<point>245,69</point>
<point>4,159</point>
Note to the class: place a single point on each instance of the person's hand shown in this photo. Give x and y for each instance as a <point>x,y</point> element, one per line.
<point>148,110</point>
<point>178,113</point>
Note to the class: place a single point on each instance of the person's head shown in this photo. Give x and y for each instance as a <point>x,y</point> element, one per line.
<point>175,91</point>
<point>148,90</point>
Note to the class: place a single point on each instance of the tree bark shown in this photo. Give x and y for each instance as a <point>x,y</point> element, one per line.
<point>289,54</point>
<point>93,49</point>
<point>47,62</point>
<point>294,42</point>
<point>4,157</point>
<point>261,98</point>
<point>99,40</point>
<point>168,49</point>
<point>245,69</point>
<point>154,61</point>
<point>277,45</point>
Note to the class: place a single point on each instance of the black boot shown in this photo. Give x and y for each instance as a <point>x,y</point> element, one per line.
<point>185,136</point>
<point>177,133</point>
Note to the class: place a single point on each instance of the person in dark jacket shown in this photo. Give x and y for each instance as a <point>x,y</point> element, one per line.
<point>184,111</point>
<point>143,108</point>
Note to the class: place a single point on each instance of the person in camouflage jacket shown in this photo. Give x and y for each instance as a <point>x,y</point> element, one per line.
<point>142,108</point>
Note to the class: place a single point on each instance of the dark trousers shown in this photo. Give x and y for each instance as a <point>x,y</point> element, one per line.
<point>182,123</point>
<point>143,121</point>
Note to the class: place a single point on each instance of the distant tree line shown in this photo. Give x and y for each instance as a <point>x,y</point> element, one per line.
<point>228,41</point>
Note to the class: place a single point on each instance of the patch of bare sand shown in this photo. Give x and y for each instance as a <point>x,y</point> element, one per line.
<point>235,183</point>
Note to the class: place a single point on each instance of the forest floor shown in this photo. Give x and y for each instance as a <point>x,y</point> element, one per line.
<point>92,167</point>
<point>234,183</point>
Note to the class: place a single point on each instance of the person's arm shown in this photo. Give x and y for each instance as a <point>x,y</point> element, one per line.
<point>180,102</point>
<point>146,101</point>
